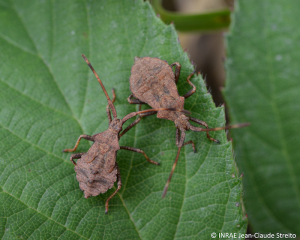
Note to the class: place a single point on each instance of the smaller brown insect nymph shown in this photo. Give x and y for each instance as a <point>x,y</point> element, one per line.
<point>97,170</point>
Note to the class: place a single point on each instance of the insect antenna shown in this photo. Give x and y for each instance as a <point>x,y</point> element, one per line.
<point>198,129</point>
<point>130,115</point>
<point>111,105</point>
<point>171,174</point>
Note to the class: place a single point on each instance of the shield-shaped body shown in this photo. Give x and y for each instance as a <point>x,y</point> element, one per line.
<point>96,170</point>
<point>152,81</point>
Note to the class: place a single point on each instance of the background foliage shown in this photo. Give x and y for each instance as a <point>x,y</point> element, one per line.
<point>48,97</point>
<point>262,88</point>
<point>207,21</point>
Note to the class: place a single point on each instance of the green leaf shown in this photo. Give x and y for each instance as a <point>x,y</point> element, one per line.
<point>217,20</point>
<point>49,96</point>
<point>263,87</point>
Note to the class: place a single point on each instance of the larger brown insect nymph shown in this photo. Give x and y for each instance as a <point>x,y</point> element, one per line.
<point>153,81</point>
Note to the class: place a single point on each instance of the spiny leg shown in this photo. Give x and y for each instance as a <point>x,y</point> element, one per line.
<point>177,70</point>
<point>191,92</point>
<point>114,95</point>
<point>135,122</point>
<point>107,107</point>
<point>193,145</point>
<point>204,124</point>
<point>87,137</point>
<point>139,151</point>
<point>75,156</point>
<point>134,101</point>
<point>180,140</point>
<point>119,183</point>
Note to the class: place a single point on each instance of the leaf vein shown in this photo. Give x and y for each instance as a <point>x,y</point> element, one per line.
<point>35,210</point>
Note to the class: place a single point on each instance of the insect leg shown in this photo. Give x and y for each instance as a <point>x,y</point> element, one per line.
<point>193,145</point>
<point>139,151</point>
<point>107,107</point>
<point>204,124</point>
<point>135,122</point>
<point>134,101</point>
<point>114,95</point>
<point>87,137</point>
<point>191,92</point>
<point>179,138</point>
<point>130,126</point>
<point>177,70</point>
<point>119,183</point>
<point>75,156</point>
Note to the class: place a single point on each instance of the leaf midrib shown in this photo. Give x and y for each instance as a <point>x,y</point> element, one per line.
<point>277,115</point>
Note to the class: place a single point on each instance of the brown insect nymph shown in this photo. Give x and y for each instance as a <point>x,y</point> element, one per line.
<point>153,82</point>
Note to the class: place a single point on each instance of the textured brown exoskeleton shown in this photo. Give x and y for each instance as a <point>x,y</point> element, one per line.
<point>97,170</point>
<point>153,81</point>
